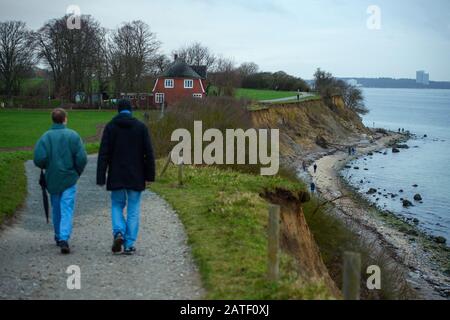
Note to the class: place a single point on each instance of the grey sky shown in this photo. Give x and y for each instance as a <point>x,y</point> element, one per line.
<point>291,35</point>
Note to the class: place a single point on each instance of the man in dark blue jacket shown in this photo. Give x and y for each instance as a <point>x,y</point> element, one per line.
<point>126,154</point>
<point>60,152</point>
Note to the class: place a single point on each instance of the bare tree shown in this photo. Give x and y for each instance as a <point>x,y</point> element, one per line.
<point>16,54</point>
<point>75,56</point>
<point>354,99</point>
<point>248,68</point>
<point>197,55</point>
<point>327,86</point>
<point>225,77</point>
<point>159,63</point>
<point>133,48</point>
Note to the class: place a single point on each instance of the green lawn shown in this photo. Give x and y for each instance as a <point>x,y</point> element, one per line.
<point>13,183</point>
<point>22,128</point>
<point>256,94</point>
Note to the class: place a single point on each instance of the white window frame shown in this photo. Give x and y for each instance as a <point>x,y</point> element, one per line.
<point>160,97</point>
<point>169,83</point>
<point>191,82</point>
<point>197,95</point>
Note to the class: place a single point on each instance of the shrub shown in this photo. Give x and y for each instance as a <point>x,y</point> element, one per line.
<point>215,112</point>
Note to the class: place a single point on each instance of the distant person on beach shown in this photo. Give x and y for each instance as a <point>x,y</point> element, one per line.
<point>304,165</point>
<point>126,153</point>
<point>60,152</point>
<point>349,151</point>
<point>313,187</point>
<point>315,167</point>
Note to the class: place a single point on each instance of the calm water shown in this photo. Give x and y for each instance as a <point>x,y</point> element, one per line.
<point>426,163</point>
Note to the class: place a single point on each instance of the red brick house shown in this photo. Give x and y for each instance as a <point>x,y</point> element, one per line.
<point>179,81</point>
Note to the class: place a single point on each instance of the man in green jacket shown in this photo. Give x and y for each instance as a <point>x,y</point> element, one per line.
<point>60,152</point>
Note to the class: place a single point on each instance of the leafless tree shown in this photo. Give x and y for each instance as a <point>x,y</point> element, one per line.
<point>159,63</point>
<point>16,54</point>
<point>354,99</point>
<point>327,86</point>
<point>248,68</point>
<point>225,77</point>
<point>197,55</point>
<point>75,56</point>
<point>133,48</point>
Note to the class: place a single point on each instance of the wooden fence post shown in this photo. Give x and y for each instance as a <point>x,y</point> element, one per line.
<point>351,276</point>
<point>180,173</point>
<point>274,242</point>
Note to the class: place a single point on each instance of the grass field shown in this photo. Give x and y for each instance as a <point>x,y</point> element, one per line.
<point>226,221</point>
<point>13,182</point>
<point>22,128</point>
<point>255,94</point>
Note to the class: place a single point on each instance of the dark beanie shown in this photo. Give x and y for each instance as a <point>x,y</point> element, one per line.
<point>123,104</point>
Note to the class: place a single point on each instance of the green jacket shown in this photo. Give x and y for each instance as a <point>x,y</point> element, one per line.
<point>61,153</point>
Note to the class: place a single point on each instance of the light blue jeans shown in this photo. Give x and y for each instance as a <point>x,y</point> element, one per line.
<point>129,228</point>
<point>62,213</point>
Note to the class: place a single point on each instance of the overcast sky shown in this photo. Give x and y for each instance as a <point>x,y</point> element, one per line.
<point>291,35</point>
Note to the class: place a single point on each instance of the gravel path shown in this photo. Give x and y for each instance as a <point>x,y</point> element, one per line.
<point>303,95</point>
<point>32,267</point>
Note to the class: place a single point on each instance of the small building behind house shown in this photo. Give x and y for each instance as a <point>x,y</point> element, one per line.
<point>139,100</point>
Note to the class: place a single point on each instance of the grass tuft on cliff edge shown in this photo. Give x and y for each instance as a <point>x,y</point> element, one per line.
<point>226,224</point>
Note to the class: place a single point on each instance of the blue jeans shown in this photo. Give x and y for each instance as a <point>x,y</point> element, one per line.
<point>62,213</point>
<point>129,228</point>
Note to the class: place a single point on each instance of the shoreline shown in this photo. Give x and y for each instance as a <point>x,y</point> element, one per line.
<point>416,257</point>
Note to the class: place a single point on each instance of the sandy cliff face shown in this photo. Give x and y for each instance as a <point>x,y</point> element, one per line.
<point>307,128</point>
<point>311,126</point>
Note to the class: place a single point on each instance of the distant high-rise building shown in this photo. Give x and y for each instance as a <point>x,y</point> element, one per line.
<point>422,77</point>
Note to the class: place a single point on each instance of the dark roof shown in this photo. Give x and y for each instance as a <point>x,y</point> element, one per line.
<point>180,69</point>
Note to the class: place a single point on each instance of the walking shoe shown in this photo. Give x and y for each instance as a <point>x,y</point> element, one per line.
<point>117,243</point>
<point>129,251</point>
<point>64,245</point>
<point>57,241</point>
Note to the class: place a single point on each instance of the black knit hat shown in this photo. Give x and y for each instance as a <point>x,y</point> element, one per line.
<point>123,104</point>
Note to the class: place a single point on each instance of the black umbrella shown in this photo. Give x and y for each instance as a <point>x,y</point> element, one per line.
<point>43,185</point>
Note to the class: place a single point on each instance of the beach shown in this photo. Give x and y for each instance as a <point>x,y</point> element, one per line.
<point>422,271</point>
